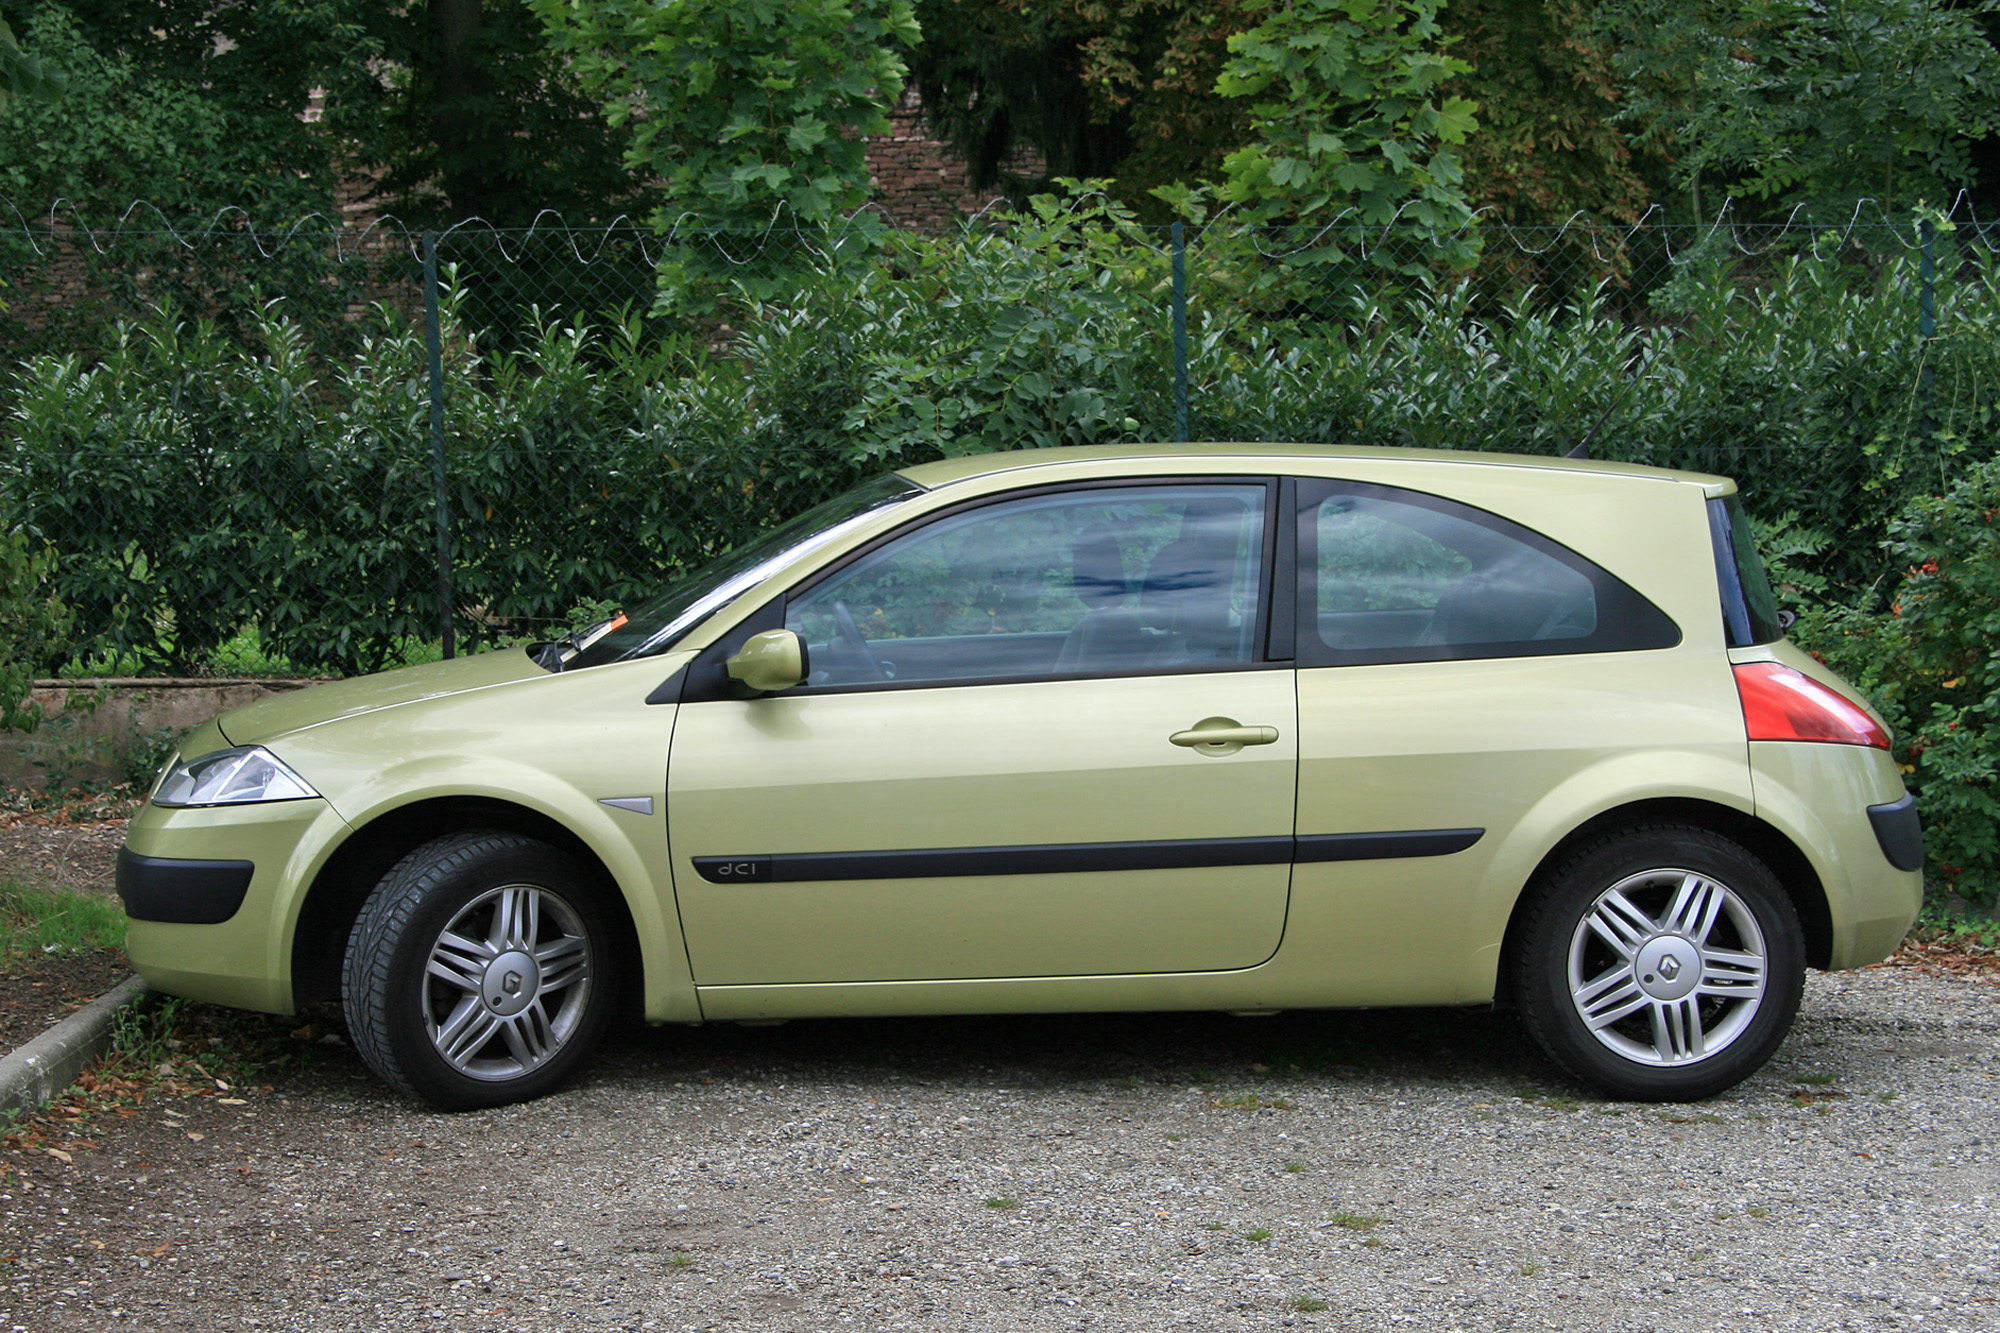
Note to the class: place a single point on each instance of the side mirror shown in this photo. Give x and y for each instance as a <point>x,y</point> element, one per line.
<point>773,660</point>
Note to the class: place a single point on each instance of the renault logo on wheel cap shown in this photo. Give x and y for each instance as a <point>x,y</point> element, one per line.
<point>1670,967</point>
<point>511,983</point>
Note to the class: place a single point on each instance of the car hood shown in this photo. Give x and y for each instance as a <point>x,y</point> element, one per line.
<point>286,713</point>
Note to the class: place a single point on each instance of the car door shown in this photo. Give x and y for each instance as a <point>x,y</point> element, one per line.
<point>1040,736</point>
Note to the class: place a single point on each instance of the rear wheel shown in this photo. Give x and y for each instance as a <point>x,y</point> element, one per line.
<point>478,971</point>
<point>1660,964</point>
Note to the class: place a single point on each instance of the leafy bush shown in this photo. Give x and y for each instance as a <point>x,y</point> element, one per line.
<point>1929,662</point>
<point>200,481</point>
<point>33,623</point>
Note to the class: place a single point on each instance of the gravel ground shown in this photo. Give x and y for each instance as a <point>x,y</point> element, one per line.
<point>1343,1171</point>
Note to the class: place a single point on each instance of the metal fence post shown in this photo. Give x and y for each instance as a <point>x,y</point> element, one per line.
<point>441,506</point>
<point>1180,335</point>
<point>1927,327</point>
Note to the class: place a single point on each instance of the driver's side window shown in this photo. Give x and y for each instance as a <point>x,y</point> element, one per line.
<point>1110,580</point>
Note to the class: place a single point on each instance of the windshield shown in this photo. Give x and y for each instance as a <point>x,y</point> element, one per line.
<point>660,623</point>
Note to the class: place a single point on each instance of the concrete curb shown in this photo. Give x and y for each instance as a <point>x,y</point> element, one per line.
<point>36,1072</point>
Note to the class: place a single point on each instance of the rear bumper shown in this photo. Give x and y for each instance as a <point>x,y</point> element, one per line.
<point>1844,808</point>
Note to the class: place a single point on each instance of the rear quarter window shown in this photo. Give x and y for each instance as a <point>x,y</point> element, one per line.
<point>1390,575</point>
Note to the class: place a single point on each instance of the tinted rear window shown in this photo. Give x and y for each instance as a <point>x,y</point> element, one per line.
<point>1749,607</point>
<point>1392,575</point>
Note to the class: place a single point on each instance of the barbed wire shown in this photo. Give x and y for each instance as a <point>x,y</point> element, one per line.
<point>745,245</point>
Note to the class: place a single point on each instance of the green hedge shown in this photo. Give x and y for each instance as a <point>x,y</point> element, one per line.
<point>196,481</point>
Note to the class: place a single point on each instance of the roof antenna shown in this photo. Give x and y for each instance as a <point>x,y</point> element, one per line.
<point>1582,449</point>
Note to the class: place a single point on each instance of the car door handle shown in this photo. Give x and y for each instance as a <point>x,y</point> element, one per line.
<point>1211,734</point>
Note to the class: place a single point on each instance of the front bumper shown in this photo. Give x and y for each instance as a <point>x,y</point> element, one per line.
<point>213,894</point>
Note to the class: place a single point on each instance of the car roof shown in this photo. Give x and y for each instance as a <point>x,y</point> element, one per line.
<point>1308,458</point>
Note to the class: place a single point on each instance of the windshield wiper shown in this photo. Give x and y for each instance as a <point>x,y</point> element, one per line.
<point>555,654</point>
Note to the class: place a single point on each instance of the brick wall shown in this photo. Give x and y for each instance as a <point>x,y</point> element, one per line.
<point>916,180</point>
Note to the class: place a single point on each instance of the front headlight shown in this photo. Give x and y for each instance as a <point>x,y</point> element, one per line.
<point>230,777</point>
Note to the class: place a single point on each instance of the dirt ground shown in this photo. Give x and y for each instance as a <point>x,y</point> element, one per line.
<point>62,850</point>
<point>41,992</point>
<point>66,850</point>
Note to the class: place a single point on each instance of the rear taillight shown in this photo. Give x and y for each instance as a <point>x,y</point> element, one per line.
<point>1782,704</point>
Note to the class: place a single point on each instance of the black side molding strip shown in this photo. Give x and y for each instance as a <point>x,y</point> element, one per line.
<point>1076,857</point>
<point>1385,846</point>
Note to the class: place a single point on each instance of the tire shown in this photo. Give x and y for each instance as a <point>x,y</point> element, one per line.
<point>1662,963</point>
<point>479,971</point>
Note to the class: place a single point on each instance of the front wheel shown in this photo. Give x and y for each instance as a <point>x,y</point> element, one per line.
<point>478,971</point>
<point>1660,964</point>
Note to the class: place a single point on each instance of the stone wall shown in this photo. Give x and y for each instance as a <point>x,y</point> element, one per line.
<point>109,720</point>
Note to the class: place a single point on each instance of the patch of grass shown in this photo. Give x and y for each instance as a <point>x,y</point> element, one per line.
<point>1250,1101</point>
<point>1939,924</point>
<point>1554,1101</point>
<point>1293,1168</point>
<point>1816,1080</point>
<point>1529,1270</point>
<point>1214,1226</point>
<point>36,921</point>
<point>680,1261</point>
<point>142,1035</point>
<point>1355,1221</point>
<point>1175,1138</point>
<point>1308,1304</point>
<point>102,666</point>
<point>1758,1210</point>
<point>1256,1233</point>
<point>1002,1203</point>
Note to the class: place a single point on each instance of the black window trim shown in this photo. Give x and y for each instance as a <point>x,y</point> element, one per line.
<point>1627,620</point>
<point>707,679</point>
<point>1742,626</point>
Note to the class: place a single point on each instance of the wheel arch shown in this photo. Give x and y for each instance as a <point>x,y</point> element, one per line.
<point>1794,870</point>
<point>334,901</point>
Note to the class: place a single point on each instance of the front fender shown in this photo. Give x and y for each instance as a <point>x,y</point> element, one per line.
<point>557,746</point>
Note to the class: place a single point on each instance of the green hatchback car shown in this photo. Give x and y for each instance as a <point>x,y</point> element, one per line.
<point>1228,727</point>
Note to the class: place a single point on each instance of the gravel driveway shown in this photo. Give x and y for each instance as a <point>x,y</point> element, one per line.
<point>1346,1171</point>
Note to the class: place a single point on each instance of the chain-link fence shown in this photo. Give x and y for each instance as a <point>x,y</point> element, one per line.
<point>357,443</point>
